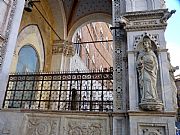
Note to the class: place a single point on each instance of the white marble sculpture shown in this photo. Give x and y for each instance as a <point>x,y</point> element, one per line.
<point>172,79</point>
<point>147,67</point>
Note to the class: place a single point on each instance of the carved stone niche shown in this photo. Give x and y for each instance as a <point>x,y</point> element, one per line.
<point>147,74</point>
<point>152,129</point>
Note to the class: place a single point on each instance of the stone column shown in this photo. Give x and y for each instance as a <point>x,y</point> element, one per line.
<point>62,52</point>
<point>11,14</point>
<point>57,55</point>
<point>120,83</point>
<point>120,59</point>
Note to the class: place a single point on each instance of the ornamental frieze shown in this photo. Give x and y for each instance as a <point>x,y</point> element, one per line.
<point>38,125</point>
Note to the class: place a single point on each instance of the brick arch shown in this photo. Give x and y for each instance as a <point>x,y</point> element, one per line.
<point>97,17</point>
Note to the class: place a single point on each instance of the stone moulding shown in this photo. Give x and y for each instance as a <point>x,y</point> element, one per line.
<point>152,128</point>
<point>143,21</point>
<point>151,106</point>
<point>6,38</point>
<point>145,15</point>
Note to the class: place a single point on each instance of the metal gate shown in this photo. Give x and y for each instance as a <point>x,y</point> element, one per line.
<point>84,91</point>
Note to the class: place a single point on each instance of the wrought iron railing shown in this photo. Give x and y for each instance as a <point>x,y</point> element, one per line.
<point>85,91</point>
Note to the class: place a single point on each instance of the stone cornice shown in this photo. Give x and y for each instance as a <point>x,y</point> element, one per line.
<point>152,113</point>
<point>141,15</point>
<point>146,27</point>
<point>145,20</point>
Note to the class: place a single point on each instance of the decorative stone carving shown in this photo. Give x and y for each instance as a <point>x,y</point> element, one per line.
<point>139,38</point>
<point>65,47</point>
<point>166,16</point>
<point>7,32</point>
<point>145,20</point>
<point>147,67</point>
<point>120,56</point>
<point>4,14</point>
<point>85,128</point>
<point>76,128</point>
<point>172,79</point>
<point>41,126</point>
<point>152,129</point>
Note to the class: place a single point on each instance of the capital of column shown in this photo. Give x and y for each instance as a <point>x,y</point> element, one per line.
<point>62,47</point>
<point>58,47</point>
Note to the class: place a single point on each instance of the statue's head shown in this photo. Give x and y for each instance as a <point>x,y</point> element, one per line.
<point>147,43</point>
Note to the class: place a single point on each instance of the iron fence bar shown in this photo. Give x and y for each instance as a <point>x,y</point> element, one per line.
<point>31,94</point>
<point>40,93</point>
<point>91,103</point>
<point>12,104</point>
<point>102,93</point>
<point>50,92</point>
<point>23,92</point>
<point>80,92</point>
<point>60,94</point>
<point>70,95</point>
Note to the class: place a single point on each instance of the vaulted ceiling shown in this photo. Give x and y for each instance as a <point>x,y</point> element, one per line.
<point>76,9</point>
<point>73,10</point>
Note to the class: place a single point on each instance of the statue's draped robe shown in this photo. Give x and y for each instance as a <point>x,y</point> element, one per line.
<point>148,75</point>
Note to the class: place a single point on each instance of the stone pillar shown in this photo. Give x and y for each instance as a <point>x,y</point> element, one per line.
<point>120,60</point>
<point>62,52</point>
<point>11,13</point>
<point>57,55</point>
<point>158,118</point>
<point>120,83</point>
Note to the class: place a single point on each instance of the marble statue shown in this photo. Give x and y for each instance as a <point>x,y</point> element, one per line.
<point>147,67</point>
<point>172,79</point>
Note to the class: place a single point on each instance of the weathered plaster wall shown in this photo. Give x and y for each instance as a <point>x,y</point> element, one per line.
<point>48,35</point>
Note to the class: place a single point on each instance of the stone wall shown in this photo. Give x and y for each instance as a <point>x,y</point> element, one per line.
<point>24,122</point>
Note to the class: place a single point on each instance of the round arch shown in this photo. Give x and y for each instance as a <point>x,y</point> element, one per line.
<point>29,35</point>
<point>97,17</point>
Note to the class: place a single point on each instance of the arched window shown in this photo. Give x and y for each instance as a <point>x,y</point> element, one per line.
<point>28,60</point>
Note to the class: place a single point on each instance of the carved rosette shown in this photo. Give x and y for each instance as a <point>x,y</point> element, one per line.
<point>41,126</point>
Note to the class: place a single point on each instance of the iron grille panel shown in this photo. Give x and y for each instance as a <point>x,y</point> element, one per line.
<point>85,91</point>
